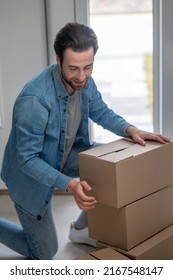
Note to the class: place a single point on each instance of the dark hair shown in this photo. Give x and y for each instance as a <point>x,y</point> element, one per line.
<point>76,36</point>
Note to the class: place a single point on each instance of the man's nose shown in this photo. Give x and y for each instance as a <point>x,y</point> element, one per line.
<point>81,75</point>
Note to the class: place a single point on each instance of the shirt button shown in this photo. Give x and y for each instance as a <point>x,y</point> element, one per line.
<point>62,131</point>
<point>61,151</point>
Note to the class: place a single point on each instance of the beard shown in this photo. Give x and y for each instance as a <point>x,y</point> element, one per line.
<point>67,81</point>
<point>70,83</point>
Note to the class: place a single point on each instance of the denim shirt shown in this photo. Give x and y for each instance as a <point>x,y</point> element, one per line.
<point>35,148</point>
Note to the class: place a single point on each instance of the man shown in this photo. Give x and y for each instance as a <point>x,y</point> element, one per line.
<point>49,129</point>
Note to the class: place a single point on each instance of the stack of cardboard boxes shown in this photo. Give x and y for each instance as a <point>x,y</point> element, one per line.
<point>133,185</point>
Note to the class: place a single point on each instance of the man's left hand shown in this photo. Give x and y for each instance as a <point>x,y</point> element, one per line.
<point>139,136</point>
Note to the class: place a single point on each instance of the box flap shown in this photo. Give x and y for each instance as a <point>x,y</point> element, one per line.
<point>120,149</point>
<point>130,151</point>
<point>108,254</point>
<point>108,148</point>
<point>138,149</point>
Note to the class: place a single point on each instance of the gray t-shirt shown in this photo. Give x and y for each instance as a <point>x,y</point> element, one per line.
<point>73,121</point>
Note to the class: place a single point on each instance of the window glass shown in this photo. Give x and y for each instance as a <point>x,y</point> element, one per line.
<point>123,64</point>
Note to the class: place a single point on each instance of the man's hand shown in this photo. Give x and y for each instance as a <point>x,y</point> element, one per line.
<point>77,189</point>
<point>139,136</point>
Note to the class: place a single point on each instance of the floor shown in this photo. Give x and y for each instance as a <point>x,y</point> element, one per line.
<point>65,211</point>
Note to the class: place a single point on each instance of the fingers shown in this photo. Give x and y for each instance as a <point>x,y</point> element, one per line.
<point>142,136</point>
<point>84,201</point>
<point>140,141</point>
<point>85,205</point>
<point>78,189</point>
<point>85,185</point>
<point>163,139</point>
<point>159,138</point>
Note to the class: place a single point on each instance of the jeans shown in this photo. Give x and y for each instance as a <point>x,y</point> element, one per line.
<point>37,239</point>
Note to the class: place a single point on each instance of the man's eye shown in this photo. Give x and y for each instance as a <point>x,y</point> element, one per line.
<point>73,68</point>
<point>88,67</point>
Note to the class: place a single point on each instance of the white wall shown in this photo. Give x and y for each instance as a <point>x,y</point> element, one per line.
<point>22,53</point>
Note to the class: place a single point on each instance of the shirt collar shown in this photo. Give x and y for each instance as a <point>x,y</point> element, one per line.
<point>60,88</point>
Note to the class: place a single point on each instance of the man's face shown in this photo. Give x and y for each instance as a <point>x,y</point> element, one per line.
<point>76,68</point>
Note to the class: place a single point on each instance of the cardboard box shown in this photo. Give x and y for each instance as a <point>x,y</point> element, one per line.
<point>104,254</point>
<point>121,172</point>
<point>130,225</point>
<point>100,245</point>
<point>158,247</point>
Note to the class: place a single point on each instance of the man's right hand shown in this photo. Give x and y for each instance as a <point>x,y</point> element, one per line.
<point>77,188</point>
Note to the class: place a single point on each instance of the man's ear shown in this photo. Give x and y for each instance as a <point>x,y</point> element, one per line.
<point>57,59</point>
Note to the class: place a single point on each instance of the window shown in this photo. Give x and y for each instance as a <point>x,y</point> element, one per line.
<point>123,64</point>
